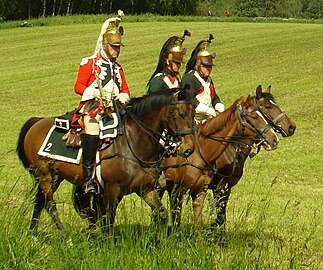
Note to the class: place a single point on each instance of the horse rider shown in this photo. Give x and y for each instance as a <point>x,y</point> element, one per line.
<point>197,78</point>
<point>166,75</point>
<point>100,79</point>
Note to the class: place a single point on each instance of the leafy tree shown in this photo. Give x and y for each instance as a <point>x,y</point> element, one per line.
<point>315,9</point>
<point>248,8</point>
<point>7,9</point>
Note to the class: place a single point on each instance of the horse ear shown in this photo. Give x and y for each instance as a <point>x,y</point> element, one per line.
<point>248,102</point>
<point>181,95</point>
<point>258,92</point>
<point>269,88</point>
<point>240,101</point>
<point>177,95</point>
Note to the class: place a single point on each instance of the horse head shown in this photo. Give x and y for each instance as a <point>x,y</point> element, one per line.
<point>273,114</point>
<point>179,122</point>
<point>254,125</point>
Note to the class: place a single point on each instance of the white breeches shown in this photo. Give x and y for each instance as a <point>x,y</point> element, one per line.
<point>91,125</point>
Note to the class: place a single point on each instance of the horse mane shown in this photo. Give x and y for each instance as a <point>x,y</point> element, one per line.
<point>149,102</point>
<point>220,122</point>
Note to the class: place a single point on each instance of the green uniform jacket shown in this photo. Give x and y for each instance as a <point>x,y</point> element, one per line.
<point>164,80</point>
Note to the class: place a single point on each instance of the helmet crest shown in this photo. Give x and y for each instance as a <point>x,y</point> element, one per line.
<point>201,55</point>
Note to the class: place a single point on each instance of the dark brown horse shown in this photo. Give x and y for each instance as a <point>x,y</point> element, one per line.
<point>231,162</point>
<point>127,166</point>
<point>242,120</point>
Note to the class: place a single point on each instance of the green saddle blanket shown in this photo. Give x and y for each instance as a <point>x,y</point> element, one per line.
<point>54,146</point>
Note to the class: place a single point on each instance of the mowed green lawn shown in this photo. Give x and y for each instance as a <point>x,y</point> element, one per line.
<point>275,212</point>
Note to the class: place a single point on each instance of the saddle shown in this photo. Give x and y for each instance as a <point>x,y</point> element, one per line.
<point>109,128</point>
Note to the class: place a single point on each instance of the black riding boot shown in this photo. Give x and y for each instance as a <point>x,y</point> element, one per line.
<point>89,146</point>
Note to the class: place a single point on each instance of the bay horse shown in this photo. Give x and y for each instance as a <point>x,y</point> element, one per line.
<point>128,165</point>
<point>194,173</point>
<point>230,164</point>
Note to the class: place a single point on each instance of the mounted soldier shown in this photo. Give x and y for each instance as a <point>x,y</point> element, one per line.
<point>166,75</point>
<point>100,80</point>
<point>197,78</point>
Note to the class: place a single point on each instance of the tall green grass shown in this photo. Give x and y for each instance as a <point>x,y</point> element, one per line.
<point>275,212</point>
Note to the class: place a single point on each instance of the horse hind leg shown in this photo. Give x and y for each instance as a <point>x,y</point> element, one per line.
<point>47,185</point>
<point>39,204</point>
<point>51,204</point>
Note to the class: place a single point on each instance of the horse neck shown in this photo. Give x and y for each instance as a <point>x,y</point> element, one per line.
<point>231,128</point>
<point>230,155</point>
<point>146,139</point>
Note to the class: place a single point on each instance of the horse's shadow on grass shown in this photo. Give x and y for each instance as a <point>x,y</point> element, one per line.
<point>146,236</point>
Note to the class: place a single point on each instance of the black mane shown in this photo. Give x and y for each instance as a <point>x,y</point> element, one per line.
<point>149,102</point>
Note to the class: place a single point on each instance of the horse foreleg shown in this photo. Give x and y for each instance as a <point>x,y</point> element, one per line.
<point>176,203</point>
<point>198,203</point>
<point>159,212</point>
<point>221,196</point>
<point>108,218</point>
<point>82,205</point>
<point>38,207</point>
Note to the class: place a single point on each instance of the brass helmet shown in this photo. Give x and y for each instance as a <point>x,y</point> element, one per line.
<point>200,55</point>
<point>110,33</point>
<point>204,57</point>
<point>175,52</point>
<point>113,31</point>
<point>172,50</point>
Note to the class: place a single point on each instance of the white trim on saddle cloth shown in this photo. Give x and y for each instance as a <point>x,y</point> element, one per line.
<point>62,123</point>
<point>98,170</point>
<point>112,128</point>
<point>52,150</point>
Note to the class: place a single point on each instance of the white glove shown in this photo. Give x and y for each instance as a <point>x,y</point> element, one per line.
<point>90,93</point>
<point>211,112</point>
<point>202,108</point>
<point>219,107</point>
<point>122,97</point>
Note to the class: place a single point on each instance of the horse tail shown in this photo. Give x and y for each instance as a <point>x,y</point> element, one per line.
<point>20,143</point>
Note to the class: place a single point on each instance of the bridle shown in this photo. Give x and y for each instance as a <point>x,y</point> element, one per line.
<point>176,134</point>
<point>170,115</point>
<point>274,122</point>
<point>245,123</point>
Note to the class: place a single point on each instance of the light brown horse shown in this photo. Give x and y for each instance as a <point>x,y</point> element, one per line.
<point>230,164</point>
<point>242,120</point>
<point>127,166</point>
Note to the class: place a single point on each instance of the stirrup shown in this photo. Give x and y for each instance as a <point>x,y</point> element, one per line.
<point>91,187</point>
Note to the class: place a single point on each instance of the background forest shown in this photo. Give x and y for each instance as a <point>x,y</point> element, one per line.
<point>26,9</point>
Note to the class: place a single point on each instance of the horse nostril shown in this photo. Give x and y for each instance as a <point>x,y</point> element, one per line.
<point>291,129</point>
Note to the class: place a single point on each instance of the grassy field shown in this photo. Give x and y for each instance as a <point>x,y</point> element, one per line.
<point>275,212</point>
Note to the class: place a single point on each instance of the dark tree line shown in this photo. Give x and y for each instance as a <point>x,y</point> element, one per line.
<point>25,9</point>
